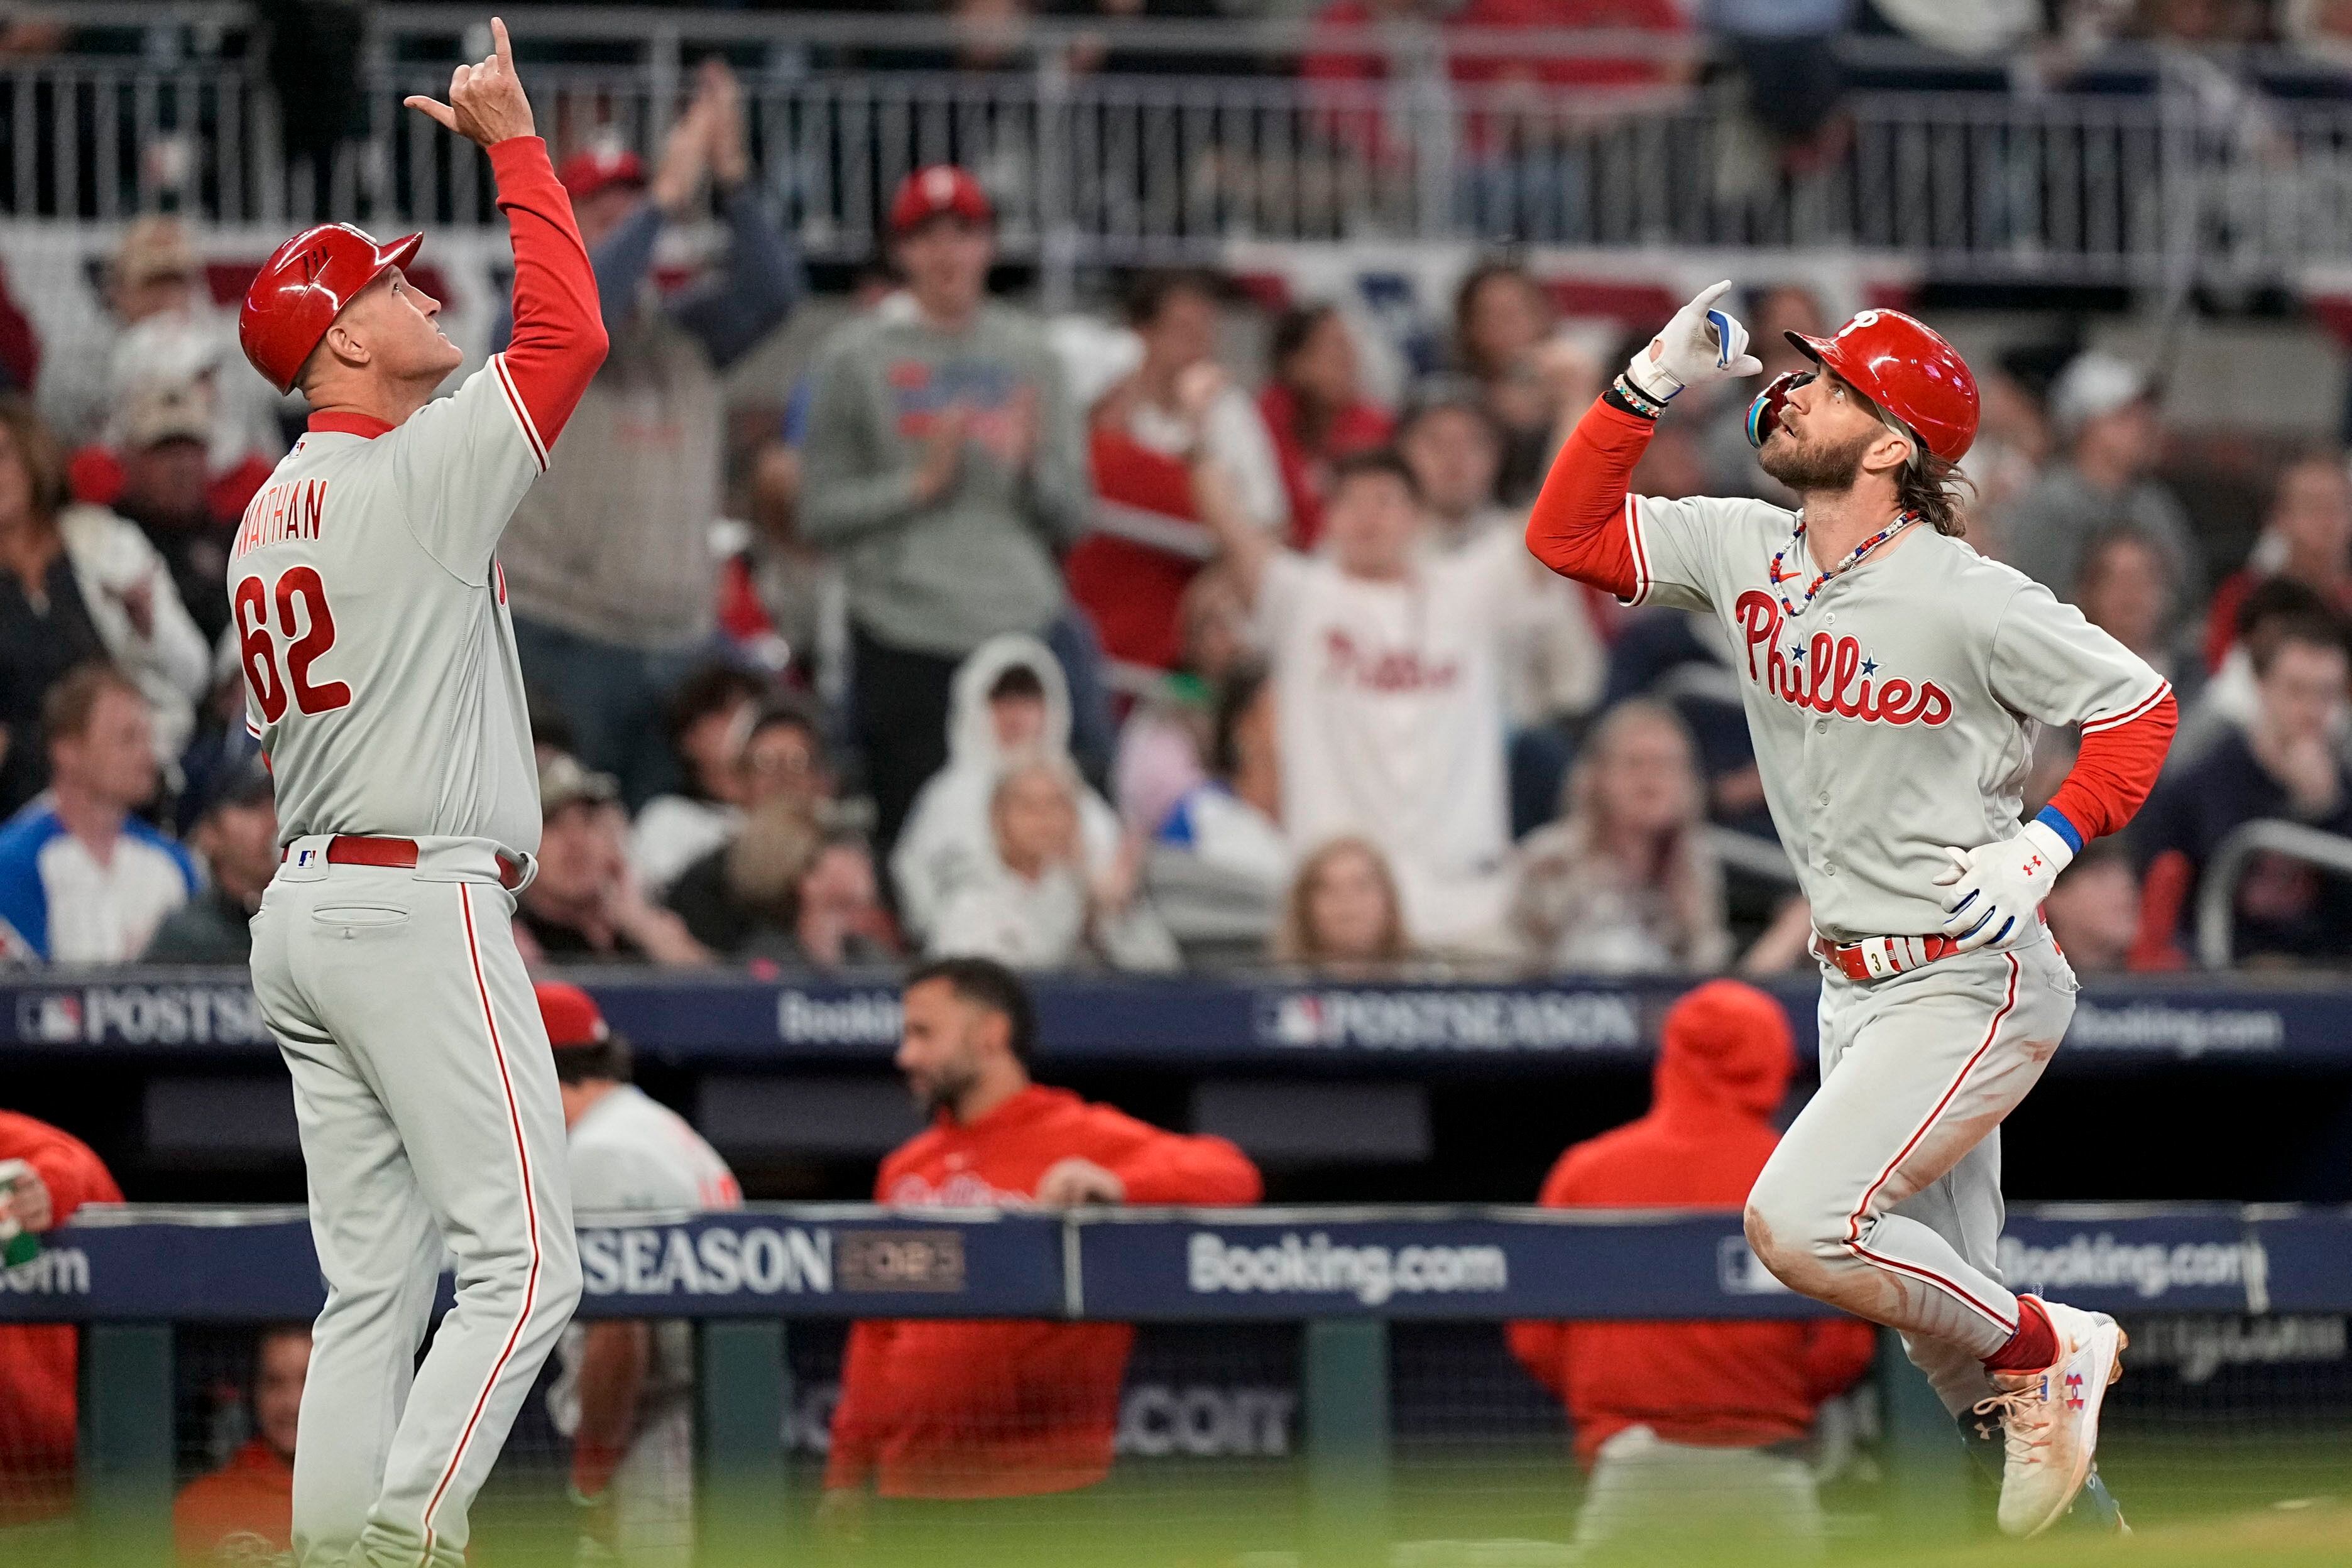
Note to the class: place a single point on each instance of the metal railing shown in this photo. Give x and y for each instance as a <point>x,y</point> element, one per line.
<point>2218,894</point>
<point>1111,167</point>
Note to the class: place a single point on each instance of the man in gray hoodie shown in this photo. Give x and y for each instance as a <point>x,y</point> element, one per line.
<point>946,468</point>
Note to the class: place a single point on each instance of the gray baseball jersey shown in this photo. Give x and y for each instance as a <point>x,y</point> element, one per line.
<point>379,667</point>
<point>1897,712</point>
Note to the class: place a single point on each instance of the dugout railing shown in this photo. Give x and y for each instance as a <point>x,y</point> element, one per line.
<point>1349,1280</point>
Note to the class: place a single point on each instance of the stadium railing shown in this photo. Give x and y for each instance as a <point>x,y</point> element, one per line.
<point>2217,899</point>
<point>1219,147</point>
<point>1409,1418</point>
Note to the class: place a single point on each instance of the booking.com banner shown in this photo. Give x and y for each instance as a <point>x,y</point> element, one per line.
<point>1193,1022</point>
<point>154,1264</point>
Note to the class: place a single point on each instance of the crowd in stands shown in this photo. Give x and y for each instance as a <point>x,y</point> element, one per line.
<point>1055,642</point>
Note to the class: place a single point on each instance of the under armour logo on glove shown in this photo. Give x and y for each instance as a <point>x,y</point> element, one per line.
<point>1995,887</point>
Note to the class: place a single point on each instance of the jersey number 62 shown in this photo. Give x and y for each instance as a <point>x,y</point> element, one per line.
<point>308,628</point>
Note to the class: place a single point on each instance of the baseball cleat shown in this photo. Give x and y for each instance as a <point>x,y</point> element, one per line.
<point>2050,1419</point>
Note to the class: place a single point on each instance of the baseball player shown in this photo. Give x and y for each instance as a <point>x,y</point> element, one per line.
<point>625,1391</point>
<point>1894,680</point>
<point>382,682</point>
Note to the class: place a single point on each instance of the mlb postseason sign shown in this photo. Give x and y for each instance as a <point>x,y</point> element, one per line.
<point>1187,1022</point>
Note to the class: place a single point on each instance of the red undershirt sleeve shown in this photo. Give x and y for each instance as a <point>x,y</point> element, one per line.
<point>558,331</point>
<point>1577,526</point>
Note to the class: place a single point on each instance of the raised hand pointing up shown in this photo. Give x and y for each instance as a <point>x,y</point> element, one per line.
<point>486,102</point>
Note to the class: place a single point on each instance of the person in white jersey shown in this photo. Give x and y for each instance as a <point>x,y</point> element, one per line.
<point>382,682</point>
<point>1894,681</point>
<point>624,1392</point>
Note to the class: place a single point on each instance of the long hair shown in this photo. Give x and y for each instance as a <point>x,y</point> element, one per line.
<point>37,450</point>
<point>1295,940</point>
<point>1935,487</point>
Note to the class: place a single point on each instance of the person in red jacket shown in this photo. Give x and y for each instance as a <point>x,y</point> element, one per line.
<point>1673,1417</point>
<point>244,1511</point>
<point>942,1410</point>
<point>38,1361</point>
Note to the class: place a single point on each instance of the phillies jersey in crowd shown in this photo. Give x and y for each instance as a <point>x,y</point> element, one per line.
<point>1897,711</point>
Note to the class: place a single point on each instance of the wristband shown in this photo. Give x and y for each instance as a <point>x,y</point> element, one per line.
<point>1624,396</point>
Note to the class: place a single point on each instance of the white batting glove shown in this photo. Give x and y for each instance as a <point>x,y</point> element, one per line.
<point>1994,886</point>
<point>1700,345</point>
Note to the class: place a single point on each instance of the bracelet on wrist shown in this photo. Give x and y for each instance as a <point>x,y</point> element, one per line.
<point>1623,394</point>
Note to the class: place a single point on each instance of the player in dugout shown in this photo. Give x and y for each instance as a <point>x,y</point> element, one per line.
<point>625,1389</point>
<point>45,1175</point>
<point>1019,1414</point>
<point>1692,1428</point>
<point>244,1511</point>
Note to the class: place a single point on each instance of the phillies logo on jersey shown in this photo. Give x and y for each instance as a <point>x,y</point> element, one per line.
<point>1384,669</point>
<point>1829,675</point>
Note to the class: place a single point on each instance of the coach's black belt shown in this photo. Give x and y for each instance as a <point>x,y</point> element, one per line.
<point>400,854</point>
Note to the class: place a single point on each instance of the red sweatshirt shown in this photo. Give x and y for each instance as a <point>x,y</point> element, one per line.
<point>242,1512</point>
<point>1723,1067</point>
<point>1579,528</point>
<point>955,1409</point>
<point>37,1361</point>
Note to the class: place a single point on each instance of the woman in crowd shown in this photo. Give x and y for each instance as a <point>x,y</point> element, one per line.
<point>1624,880</point>
<point>1342,917</point>
<point>1502,318</point>
<point>79,583</point>
<point>1315,409</point>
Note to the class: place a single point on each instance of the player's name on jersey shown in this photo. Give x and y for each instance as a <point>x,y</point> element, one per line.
<point>292,510</point>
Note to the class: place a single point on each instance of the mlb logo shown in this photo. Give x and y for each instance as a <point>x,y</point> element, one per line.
<point>1293,1021</point>
<point>302,859</point>
<point>52,1019</point>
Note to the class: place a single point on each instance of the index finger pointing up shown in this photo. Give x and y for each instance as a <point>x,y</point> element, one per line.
<point>505,48</point>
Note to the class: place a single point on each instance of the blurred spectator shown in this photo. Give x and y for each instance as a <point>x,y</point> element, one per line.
<point>236,840</point>
<point>1316,410</point>
<point>945,468</point>
<point>39,1404</point>
<point>2306,538</point>
<point>2125,587</point>
<point>1553,662</point>
<point>608,557</point>
<point>1037,905</point>
<point>1795,83</point>
<point>78,584</point>
<point>1685,662</point>
<point>623,1391</point>
<point>785,895</point>
<point>1688,1429</point>
<point>1774,312</point>
<point>1502,323</point>
<point>942,1409</point>
<point>1624,880</point>
<point>2104,410</point>
<point>1010,701</point>
<point>709,722</point>
<point>1147,431</point>
<point>734,888</point>
<point>2231,700</point>
<point>1163,745</point>
<point>83,881</point>
<point>1232,823</point>
<point>2012,444</point>
<point>585,904</point>
<point>2285,766</point>
<point>242,1513</point>
<point>20,346</point>
<point>167,491</point>
<point>1343,917</point>
<point>2093,909</point>
<point>1386,665</point>
<point>155,271</point>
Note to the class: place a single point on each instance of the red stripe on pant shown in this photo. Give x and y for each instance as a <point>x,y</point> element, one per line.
<point>1854,1221</point>
<point>531,1213</point>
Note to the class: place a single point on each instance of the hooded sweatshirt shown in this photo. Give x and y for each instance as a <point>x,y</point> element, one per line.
<point>948,843</point>
<point>1723,1067</point>
<point>963,1409</point>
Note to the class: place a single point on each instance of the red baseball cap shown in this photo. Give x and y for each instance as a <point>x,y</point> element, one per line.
<point>571,1014</point>
<point>598,169</point>
<point>938,190</point>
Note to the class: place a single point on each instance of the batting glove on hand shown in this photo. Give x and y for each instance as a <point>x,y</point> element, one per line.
<point>1701,345</point>
<point>1994,886</point>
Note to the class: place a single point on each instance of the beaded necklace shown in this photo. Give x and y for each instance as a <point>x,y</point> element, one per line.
<point>1902,520</point>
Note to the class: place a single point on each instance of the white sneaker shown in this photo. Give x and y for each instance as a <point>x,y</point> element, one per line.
<point>2049,1418</point>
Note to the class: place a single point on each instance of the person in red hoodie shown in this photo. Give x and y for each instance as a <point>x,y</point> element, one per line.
<point>937,1410</point>
<point>38,1361</point>
<point>1685,1425</point>
<point>244,1511</point>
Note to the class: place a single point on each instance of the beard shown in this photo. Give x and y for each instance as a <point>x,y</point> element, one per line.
<point>941,1089</point>
<point>1805,467</point>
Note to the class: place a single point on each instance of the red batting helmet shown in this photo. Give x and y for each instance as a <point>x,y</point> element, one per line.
<point>1907,368</point>
<point>303,287</point>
